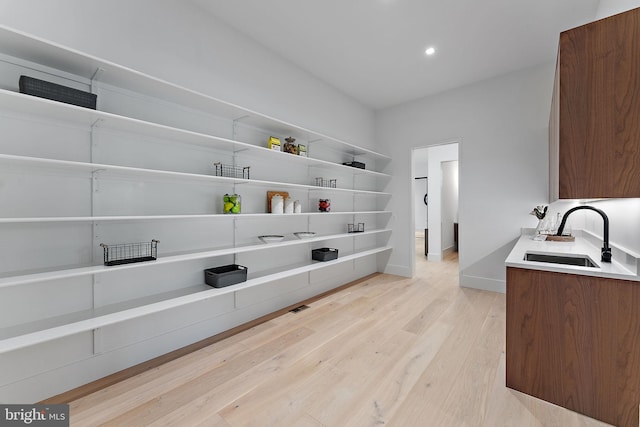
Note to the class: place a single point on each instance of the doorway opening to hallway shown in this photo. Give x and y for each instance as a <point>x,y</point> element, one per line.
<point>435,171</point>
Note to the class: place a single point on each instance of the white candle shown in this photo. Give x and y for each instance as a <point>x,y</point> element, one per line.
<point>277,204</point>
<point>288,205</point>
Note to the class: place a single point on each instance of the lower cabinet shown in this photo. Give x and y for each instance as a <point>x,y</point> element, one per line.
<point>572,340</point>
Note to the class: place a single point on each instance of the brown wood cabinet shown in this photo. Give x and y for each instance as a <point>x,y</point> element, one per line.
<point>595,115</point>
<point>575,341</point>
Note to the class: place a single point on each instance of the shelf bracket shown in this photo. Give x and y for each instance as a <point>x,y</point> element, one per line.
<point>95,290</point>
<point>95,78</point>
<point>95,184</point>
<point>93,138</point>
<point>95,241</point>
<point>234,158</point>
<point>234,130</point>
<point>97,341</point>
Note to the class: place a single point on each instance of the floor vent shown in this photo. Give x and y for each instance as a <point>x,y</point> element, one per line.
<point>298,309</point>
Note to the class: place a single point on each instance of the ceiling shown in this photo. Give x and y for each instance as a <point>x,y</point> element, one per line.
<point>373,50</point>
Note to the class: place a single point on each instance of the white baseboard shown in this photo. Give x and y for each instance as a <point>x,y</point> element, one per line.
<point>398,270</point>
<point>483,283</point>
<point>434,256</point>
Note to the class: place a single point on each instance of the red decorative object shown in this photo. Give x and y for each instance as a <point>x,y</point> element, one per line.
<point>324,205</point>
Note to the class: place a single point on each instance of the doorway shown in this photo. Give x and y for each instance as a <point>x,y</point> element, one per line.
<point>435,201</point>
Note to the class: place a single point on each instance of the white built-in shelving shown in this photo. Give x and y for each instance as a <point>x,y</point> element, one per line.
<point>22,50</point>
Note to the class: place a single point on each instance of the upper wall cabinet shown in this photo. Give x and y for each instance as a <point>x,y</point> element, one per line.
<point>595,115</point>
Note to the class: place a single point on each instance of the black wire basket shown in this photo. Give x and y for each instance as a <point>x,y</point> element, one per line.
<point>355,228</point>
<point>127,253</point>
<point>329,183</point>
<point>231,171</point>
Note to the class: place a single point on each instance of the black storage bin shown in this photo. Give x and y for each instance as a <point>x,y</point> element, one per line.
<point>355,164</point>
<point>324,254</point>
<point>226,275</point>
<point>56,92</point>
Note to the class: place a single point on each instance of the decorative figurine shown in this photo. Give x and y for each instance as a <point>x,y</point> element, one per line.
<point>324,205</point>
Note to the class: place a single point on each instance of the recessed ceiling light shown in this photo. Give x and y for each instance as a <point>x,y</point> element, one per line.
<point>430,50</point>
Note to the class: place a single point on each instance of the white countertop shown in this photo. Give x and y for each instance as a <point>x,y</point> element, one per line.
<point>624,264</point>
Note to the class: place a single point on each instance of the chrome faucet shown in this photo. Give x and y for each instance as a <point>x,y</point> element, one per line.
<point>606,250</point>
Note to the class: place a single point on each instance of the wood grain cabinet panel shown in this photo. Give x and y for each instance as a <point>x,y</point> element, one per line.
<point>573,341</point>
<point>595,120</point>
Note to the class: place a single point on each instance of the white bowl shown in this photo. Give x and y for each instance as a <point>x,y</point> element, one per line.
<point>270,238</point>
<point>304,234</point>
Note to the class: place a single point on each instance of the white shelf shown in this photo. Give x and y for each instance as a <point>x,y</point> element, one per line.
<point>40,51</point>
<point>61,327</point>
<point>101,269</point>
<point>38,325</point>
<point>81,219</point>
<point>29,105</point>
<point>127,172</point>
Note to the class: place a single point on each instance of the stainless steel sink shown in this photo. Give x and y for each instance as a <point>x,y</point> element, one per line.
<point>580,260</point>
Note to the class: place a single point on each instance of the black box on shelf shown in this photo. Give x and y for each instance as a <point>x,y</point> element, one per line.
<point>225,275</point>
<point>354,164</point>
<point>324,254</point>
<point>56,92</point>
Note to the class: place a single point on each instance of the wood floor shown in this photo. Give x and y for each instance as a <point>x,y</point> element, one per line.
<point>390,350</point>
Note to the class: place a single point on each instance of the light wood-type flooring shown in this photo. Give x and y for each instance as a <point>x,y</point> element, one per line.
<point>387,351</point>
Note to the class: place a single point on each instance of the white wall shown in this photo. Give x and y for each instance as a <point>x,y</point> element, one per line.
<point>624,226</point>
<point>612,7</point>
<point>449,199</point>
<point>420,169</point>
<point>421,216</point>
<point>502,124</point>
<point>437,221</point>
<point>179,42</point>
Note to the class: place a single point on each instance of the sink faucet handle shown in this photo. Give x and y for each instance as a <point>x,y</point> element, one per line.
<point>606,254</point>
